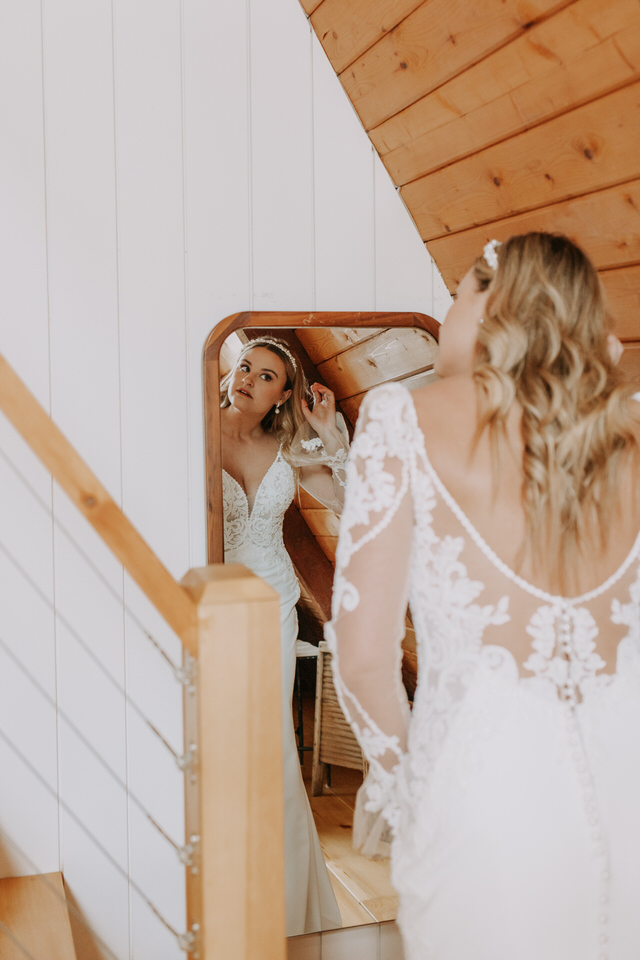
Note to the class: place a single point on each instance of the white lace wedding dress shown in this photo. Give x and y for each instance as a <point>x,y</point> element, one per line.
<point>513,786</point>
<point>254,538</point>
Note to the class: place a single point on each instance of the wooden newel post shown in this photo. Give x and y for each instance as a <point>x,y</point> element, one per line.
<point>237,897</point>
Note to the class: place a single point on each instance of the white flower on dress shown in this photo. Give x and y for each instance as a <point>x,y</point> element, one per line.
<point>314,444</point>
<point>628,614</point>
<point>582,663</point>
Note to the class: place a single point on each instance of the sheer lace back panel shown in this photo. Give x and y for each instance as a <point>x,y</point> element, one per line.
<point>476,622</point>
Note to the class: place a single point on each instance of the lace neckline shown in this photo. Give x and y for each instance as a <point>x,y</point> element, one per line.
<point>250,508</point>
<point>493,557</point>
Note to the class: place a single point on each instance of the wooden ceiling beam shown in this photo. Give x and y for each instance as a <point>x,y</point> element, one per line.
<point>322,344</point>
<point>391,355</point>
<point>556,40</point>
<point>347,30</point>
<point>439,40</point>
<point>495,118</point>
<point>590,148</point>
<point>351,405</point>
<point>622,288</point>
<point>630,361</point>
<point>569,60</point>
<point>605,224</point>
<point>309,6</point>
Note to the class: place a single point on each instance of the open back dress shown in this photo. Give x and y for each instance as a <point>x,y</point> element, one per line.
<point>512,787</point>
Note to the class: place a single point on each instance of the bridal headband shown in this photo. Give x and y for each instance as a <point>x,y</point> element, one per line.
<point>278,346</point>
<point>490,253</point>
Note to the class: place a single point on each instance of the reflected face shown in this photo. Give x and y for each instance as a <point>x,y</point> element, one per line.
<point>258,382</point>
<point>457,340</point>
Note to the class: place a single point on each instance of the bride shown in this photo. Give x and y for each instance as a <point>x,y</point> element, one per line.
<point>502,501</point>
<point>272,438</point>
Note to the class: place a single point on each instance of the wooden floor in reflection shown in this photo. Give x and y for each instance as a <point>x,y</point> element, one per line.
<point>362,885</point>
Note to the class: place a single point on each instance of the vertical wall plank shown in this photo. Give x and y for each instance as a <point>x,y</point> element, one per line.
<point>81,220</point>
<point>281,157</point>
<point>151,273</point>
<point>217,201</point>
<point>153,339</point>
<point>78,124</point>
<point>37,842</point>
<point>26,620</point>
<point>23,255</point>
<point>344,197</point>
<point>403,266</point>
<point>105,915</point>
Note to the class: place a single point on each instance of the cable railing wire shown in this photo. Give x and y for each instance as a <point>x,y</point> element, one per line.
<point>71,907</point>
<point>180,938</point>
<point>103,763</point>
<point>184,674</point>
<point>87,649</point>
<point>178,671</point>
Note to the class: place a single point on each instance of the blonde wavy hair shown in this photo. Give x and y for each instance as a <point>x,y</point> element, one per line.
<point>282,425</point>
<point>543,344</point>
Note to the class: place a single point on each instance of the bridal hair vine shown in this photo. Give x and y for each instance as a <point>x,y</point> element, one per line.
<point>490,253</point>
<point>278,346</point>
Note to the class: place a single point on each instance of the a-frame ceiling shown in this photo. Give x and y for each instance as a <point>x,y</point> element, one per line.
<point>496,117</point>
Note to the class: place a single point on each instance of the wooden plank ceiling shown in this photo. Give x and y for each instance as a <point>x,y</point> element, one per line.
<point>503,116</point>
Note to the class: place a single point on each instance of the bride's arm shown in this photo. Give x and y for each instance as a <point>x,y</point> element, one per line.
<point>320,449</point>
<point>370,600</point>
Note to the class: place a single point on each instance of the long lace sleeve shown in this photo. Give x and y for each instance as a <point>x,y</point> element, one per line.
<point>322,474</point>
<point>370,596</point>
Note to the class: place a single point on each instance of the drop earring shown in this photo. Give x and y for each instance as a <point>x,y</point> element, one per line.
<point>277,408</point>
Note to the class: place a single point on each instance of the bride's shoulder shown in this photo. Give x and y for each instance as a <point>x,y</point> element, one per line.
<point>385,402</point>
<point>451,397</point>
<point>445,405</point>
<point>447,416</point>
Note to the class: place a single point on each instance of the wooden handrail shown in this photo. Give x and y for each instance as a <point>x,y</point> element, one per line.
<point>93,500</point>
<point>230,620</point>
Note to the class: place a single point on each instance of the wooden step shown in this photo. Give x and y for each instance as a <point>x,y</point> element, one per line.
<point>35,919</point>
<point>376,941</point>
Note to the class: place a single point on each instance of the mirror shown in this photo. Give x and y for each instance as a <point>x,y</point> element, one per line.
<point>350,354</point>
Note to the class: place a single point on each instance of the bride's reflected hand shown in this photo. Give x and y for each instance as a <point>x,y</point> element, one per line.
<point>322,417</point>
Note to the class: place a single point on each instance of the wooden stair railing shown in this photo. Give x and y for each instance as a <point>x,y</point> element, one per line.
<point>90,497</point>
<point>229,620</point>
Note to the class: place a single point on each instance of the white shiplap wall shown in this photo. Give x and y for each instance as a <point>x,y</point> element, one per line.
<point>162,164</point>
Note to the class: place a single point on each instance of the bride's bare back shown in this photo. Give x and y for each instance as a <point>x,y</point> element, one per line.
<point>447,415</point>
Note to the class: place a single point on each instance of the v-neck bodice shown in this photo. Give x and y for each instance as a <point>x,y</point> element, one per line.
<point>264,480</point>
<point>253,536</point>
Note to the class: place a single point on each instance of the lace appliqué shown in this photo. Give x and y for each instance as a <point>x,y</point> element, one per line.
<point>473,713</point>
<point>564,647</point>
<point>307,451</point>
<point>451,626</point>
<point>256,534</point>
<point>628,614</point>
<point>371,490</point>
<point>313,444</point>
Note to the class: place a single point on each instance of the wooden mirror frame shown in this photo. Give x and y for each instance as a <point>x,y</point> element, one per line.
<point>267,319</point>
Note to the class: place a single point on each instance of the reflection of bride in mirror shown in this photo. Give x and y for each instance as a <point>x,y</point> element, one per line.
<point>272,438</point>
